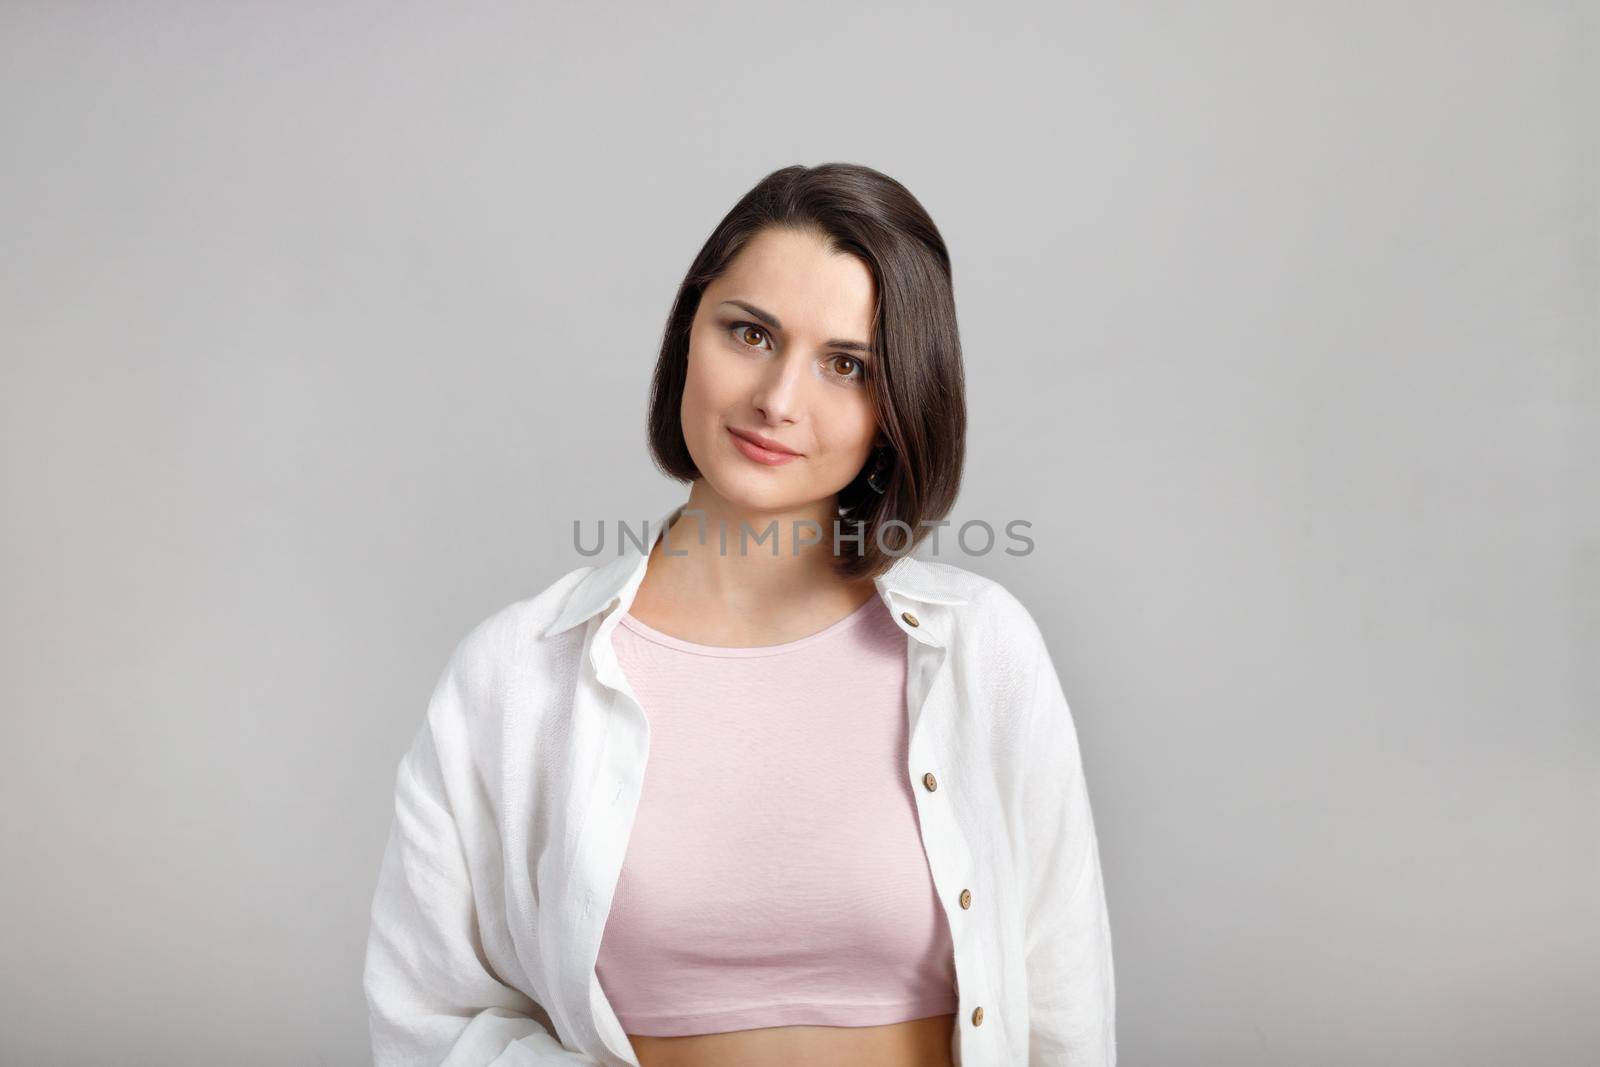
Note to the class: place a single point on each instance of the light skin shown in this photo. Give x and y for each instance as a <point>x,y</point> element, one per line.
<point>788,382</point>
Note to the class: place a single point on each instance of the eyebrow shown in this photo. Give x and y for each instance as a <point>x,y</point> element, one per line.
<point>771,320</point>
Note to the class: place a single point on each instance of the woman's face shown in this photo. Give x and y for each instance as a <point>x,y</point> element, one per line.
<point>771,353</point>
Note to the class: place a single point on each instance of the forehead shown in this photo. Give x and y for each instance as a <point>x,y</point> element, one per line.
<point>795,276</point>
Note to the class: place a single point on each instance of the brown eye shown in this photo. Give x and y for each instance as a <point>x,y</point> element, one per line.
<point>855,368</point>
<point>746,330</point>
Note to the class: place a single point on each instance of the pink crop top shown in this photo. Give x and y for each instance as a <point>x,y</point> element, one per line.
<point>775,874</point>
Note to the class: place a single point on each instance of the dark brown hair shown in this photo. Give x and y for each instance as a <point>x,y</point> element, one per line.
<point>917,389</point>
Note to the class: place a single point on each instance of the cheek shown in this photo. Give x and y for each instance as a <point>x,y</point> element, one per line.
<point>698,384</point>
<point>849,434</point>
<point>706,384</point>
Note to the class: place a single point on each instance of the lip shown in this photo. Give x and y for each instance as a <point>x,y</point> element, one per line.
<point>761,449</point>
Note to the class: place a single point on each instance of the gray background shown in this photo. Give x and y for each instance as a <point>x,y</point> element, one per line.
<point>321,323</point>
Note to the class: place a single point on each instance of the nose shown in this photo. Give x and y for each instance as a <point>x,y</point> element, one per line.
<point>777,393</point>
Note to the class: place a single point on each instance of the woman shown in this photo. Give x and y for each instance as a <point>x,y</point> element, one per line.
<point>865,835</point>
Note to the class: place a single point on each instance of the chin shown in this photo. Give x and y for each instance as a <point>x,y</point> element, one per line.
<point>753,490</point>
<point>755,493</point>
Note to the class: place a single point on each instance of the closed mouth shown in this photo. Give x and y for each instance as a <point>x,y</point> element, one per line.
<point>766,443</point>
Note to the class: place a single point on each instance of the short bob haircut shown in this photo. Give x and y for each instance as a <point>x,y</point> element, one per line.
<point>917,389</point>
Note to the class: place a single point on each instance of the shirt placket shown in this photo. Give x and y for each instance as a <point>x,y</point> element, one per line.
<point>930,703</point>
<point>612,799</point>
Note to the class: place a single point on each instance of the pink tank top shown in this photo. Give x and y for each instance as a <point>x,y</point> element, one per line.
<point>775,874</point>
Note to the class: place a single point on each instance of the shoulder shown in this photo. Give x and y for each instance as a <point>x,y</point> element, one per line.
<point>999,645</point>
<point>989,609</point>
<point>500,649</point>
<point>1010,674</point>
<point>502,673</point>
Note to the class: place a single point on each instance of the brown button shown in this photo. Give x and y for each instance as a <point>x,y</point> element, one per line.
<point>910,618</point>
<point>930,781</point>
<point>977,1016</point>
<point>966,898</point>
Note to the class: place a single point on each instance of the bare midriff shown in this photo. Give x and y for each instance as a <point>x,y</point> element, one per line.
<point>914,1043</point>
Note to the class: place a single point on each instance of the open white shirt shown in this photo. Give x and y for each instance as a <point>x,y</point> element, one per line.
<point>515,801</point>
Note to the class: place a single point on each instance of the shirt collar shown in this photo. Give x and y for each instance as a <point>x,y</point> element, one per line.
<point>619,579</point>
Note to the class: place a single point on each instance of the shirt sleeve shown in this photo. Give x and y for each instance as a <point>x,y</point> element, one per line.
<point>431,995</point>
<point>1071,987</point>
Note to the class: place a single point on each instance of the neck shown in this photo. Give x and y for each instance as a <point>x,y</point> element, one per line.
<point>733,572</point>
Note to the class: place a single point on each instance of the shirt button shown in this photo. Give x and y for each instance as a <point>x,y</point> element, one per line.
<point>977,1016</point>
<point>910,618</point>
<point>966,898</point>
<point>930,781</point>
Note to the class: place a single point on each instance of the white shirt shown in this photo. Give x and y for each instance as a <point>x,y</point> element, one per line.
<point>515,801</point>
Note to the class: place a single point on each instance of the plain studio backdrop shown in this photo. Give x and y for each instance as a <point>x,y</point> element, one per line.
<point>321,323</point>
